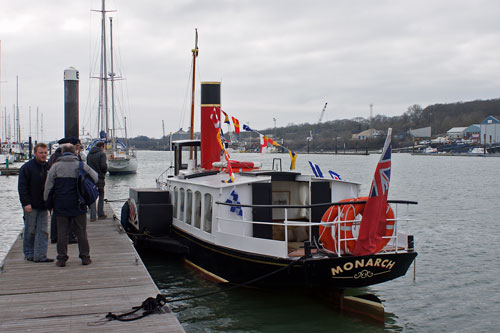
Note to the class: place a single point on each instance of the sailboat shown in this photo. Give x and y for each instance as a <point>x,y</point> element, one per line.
<point>121,158</point>
<point>270,228</point>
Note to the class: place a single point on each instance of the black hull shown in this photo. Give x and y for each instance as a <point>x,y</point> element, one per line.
<point>228,265</point>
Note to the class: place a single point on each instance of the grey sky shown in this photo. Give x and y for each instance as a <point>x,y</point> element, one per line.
<point>281,59</point>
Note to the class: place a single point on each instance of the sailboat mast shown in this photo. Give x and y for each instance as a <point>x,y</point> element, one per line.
<point>29,122</point>
<point>112,79</point>
<point>18,125</point>
<point>41,128</point>
<point>37,126</point>
<point>103,87</point>
<point>1,122</point>
<point>195,55</point>
<point>126,134</point>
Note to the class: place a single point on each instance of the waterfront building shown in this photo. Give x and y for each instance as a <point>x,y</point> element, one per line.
<point>473,132</point>
<point>490,130</point>
<point>456,133</point>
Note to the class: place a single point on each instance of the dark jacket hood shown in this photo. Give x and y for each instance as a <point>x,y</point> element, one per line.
<point>95,150</point>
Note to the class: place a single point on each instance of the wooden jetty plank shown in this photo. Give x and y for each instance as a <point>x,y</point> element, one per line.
<point>41,297</point>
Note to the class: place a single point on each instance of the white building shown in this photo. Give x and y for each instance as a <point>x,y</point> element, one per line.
<point>456,133</point>
<point>490,130</point>
<point>369,133</point>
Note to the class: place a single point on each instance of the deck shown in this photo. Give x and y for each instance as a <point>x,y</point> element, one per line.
<point>41,297</point>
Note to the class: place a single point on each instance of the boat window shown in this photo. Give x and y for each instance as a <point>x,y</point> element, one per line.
<point>181,204</point>
<point>197,209</point>
<point>176,201</point>
<point>207,216</point>
<point>189,206</point>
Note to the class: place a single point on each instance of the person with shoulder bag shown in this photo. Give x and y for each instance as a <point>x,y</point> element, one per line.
<point>63,179</point>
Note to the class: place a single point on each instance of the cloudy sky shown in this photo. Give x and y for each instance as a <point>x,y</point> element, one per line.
<point>276,59</point>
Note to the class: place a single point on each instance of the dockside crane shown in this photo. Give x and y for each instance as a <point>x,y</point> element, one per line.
<point>322,112</point>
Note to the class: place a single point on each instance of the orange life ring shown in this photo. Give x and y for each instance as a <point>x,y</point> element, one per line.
<point>344,230</point>
<point>326,235</point>
<point>389,228</point>
<point>238,166</point>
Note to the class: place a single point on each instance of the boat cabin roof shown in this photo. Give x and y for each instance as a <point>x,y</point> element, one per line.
<point>217,180</point>
<point>186,143</point>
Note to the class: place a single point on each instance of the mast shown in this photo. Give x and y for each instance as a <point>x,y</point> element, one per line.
<point>1,123</point>
<point>103,87</point>
<point>17,124</point>
<point>195,55</point>
<point>41,128</point>
<point>112,79</point>
<point>12,121</point>
<point>126,134</point>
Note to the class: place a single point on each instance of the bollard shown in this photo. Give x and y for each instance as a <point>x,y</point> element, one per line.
<point>307,249</point>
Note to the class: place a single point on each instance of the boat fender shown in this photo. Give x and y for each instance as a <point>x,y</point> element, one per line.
<point>133,218</point>
<point>124,216</point>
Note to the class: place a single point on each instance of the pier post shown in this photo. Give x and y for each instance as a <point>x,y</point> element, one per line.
<point>30,148</point>
<point>71,111</point>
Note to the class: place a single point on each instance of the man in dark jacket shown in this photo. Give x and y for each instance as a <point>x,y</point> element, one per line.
<point>53,159</point>
<point>97,161</point>
<point>31,182</point>
<point>62,179</point>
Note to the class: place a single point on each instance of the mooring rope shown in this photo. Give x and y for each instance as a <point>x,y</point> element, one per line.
<point>116,200</point>
<point>154,305</point>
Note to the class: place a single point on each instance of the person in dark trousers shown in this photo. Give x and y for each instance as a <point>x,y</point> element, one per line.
<point>53,159</point>
<point>62,179</point>
<point>31,183</point>
<point>96,159</point>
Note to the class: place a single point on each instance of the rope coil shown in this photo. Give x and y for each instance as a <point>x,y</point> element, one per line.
<point>150,305</point>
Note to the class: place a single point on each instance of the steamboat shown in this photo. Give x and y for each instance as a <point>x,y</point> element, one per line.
<point>269,228</point>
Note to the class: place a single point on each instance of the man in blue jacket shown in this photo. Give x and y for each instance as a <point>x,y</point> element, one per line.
<point>62,184</point>
<point>31,184</point>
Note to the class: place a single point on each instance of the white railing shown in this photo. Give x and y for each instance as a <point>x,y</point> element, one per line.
<point>397,241</point>
<point>161,181</point>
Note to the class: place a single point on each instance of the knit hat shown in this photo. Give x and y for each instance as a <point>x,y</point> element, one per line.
<point>72,139</point>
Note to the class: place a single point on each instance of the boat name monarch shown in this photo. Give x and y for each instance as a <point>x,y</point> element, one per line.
<point>360,263</point>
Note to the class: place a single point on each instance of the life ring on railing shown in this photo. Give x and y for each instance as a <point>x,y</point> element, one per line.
<point>389,228</point>
<point>343,230</point>
<point>238,166</point>
<point>348,212</point>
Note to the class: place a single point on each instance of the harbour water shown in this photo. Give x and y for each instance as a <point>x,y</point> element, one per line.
<point>457,286</point>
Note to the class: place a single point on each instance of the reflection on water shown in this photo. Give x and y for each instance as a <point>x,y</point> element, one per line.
<point>245,309</point>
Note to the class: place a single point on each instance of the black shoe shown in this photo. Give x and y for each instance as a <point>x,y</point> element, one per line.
<point>53,241</point>
<point>73,241</point>
<point>86,261</point>
<point>60,263</point>
<point>29,259</point>
<point>45,260</point>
